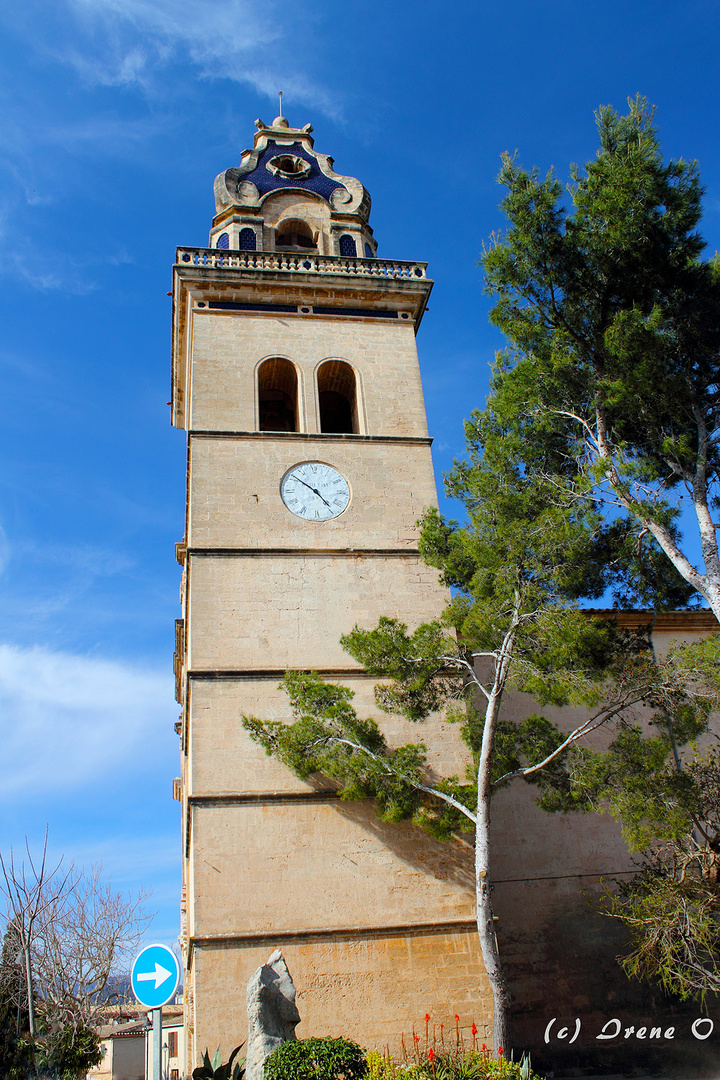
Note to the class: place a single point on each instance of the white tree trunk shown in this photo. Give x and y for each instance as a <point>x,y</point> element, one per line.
<point>483,879</point>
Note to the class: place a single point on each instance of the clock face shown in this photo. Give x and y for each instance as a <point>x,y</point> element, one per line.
<point>315,491</point>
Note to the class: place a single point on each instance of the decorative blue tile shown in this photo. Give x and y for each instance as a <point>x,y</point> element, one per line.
<point>347,245</point>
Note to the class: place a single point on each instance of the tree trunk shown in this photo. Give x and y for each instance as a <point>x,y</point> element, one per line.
<point>483,882</point>
<point>29,987</point>
<point>486,927</point>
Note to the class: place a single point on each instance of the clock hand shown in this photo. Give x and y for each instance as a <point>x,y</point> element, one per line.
<point>315,492</point>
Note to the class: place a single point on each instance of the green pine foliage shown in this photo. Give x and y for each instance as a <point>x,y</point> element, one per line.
<point>610,383</point>
<point>671,910</point>
<point>610,390</point>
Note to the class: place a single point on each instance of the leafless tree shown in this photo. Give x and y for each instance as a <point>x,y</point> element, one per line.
<point>77,936</point>
<point>29,892</point>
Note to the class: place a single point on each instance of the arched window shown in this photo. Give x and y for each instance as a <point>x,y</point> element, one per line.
<point>223,240</point>
<point>248,240</point>
<point>337,393</point>
<point>368,252</point>
<point>294,236</point>
<point>277,395</point>
<point>347,245</point>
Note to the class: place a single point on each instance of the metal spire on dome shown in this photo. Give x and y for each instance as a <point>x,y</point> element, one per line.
<point>280,120</point>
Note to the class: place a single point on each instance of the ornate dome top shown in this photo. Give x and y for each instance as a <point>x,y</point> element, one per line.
<point>283,158</point>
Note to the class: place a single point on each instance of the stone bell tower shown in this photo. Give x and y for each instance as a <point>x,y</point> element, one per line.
<point>295,375</point>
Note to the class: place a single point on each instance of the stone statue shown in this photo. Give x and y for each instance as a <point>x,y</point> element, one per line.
<point>272,1013</point>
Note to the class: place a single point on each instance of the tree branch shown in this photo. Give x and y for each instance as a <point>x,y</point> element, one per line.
<point>450,799</point>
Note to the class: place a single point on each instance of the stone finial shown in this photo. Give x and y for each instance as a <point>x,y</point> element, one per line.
<point>272,1013</point>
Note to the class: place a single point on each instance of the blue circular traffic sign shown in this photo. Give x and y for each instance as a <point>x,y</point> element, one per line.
<point>155,975</point>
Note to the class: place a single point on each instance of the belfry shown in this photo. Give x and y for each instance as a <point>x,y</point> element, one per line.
<point>296,377</point>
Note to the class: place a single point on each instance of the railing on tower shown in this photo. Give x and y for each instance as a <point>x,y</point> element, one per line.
<point>297,262</point>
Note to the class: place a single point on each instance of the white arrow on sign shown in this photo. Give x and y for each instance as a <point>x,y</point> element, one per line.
<point>159,975</point>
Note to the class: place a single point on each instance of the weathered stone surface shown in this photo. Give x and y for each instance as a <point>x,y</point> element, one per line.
<point>272,1013</point>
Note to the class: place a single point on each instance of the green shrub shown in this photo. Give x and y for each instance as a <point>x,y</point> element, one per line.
<point>316,1059</point>
<point>70,1052</point>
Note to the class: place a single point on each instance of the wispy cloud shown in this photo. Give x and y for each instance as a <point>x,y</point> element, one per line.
<point>68,278</point>
<point>133,35</point>
<point>67,720</point>
<point>31,138</point>
<point>125,76</point>
<point>132,43</point>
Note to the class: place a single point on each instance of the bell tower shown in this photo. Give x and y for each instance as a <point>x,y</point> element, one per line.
<point>296,377</point>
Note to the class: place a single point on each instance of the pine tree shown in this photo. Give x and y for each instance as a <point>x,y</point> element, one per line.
<point>611,380</point>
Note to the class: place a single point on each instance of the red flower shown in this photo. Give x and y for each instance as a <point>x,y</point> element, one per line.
<point>431,1054</point>
<point>427,1017</point>
<point>416,1038</point>
<point>442,1026</point>
<point>499,1050</point>
<point>474,1028</point>
<point>484,1046</point>
<point>456,1016</point>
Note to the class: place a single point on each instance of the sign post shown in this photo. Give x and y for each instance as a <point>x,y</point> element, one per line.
<point>155,975</point>
<point>157,1044</point>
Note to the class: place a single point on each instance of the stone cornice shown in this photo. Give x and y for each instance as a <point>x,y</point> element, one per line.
<point>262,937</point>
<point>697,619</point>
<point>310,436</point>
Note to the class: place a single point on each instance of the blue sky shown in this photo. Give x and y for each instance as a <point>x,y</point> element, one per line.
<point>116,117</point>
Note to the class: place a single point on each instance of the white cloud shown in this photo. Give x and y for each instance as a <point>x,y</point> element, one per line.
<point>129,42</point>
<point>208,29</point>
<point>66,720</point>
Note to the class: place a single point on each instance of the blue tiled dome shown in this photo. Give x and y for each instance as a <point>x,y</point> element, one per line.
<point>266,181</point>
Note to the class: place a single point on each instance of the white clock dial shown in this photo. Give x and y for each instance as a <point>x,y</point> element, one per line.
<point>315,491</point>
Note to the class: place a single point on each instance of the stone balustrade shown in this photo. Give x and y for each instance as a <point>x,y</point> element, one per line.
<point>297,262</point>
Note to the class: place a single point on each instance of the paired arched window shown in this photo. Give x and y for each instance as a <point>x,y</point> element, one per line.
<point>337,394</point>
<point>247,240</point>
<point>277,395</point>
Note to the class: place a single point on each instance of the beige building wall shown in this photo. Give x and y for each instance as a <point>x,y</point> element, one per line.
<point>376,923</point>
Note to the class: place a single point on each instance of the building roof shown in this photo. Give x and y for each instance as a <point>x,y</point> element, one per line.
<point>692,619</point>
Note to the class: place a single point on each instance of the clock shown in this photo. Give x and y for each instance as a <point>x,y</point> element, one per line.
<point>315,491</point>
